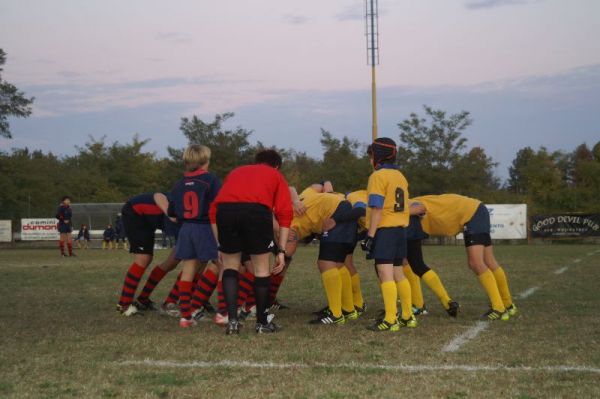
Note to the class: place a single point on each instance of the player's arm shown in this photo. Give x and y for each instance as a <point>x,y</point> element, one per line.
<point>376,200</point>
<point>162,202</point>
<point>299,208</point>
<point>417,208</point>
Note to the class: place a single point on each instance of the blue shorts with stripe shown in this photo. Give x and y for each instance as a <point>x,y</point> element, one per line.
<point>389,246</point>
<point>196,241</point>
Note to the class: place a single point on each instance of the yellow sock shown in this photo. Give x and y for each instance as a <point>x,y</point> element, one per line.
<point>491,288</point>
<point>347,299</point>
<point>404,293</point>
<point>415,287</point>
<point>502,283</point>
<point>357,292</point>
<point>390,296</point>
<point>332,282</point>
<point>103,244</point>
<point>435,284</point>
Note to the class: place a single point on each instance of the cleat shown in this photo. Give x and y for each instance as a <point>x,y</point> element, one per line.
<point>187,323</point>
<point>128,310</point>
<point>208,308</point>
<point>169,309</point>
<point>420,311</point>
<point>243,314</point>
<point>352,315</point>
<point>328,318</point>
<point>410,323</point>
<point>199,314</point>
<point>382,325</point>
<point>73,255</point>
<point>492,315</point>
<point>453,307</point>
<point>221,320</point>
<point>233,327</point>
<point>268,328</point>
<point>64,255</point>
<point>146,305</point>
<point>512,310</point>
<point>275,306</point>
<point>321,312</point>
<point>361,310</point>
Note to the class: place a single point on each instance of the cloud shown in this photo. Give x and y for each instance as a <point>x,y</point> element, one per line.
<point>485,4</point>
<point>296,19</point>
<point>356,11</point>
<point>173,37</point>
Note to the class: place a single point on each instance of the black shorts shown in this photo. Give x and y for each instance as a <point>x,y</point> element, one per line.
<point>140,232</point>
<point>64,228</point>
<point>245,227</point>
<point>477,230</point>
<point>415,229</point>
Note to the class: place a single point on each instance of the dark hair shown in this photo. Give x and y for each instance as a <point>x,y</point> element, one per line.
<point>65,198</point>
<point>269,157</point>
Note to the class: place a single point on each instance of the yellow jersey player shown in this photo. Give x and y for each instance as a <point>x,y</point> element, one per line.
<point>333,247</point>
<point>450,214</point>
<point>387,218</point>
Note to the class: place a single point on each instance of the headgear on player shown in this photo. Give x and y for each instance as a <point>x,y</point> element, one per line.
<point>383,150</point>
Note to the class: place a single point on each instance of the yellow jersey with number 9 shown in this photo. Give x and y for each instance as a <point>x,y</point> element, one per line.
<point>319,207</point>
<point>359,199</point>
<point>388,190</point>
<point>446,214</point>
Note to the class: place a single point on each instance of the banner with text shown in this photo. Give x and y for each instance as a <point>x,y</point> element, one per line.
<point>39,230</point>
<point>565,225</point>
<point>508,221</point>
<point>5,231</point>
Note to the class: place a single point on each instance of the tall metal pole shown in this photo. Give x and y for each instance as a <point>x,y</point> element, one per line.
<point>372,33</point>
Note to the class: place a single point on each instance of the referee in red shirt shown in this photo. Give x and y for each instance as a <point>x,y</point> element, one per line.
<point>242,220</point>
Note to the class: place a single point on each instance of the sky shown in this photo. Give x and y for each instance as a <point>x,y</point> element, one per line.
<point>528,71</point>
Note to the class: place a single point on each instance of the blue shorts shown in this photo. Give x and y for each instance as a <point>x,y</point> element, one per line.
<point>64,228</point>
<point>389,246</point>
<point>196,241</point>
<point>415,229</point>
<point>342,232</point>
<point>479,223</point>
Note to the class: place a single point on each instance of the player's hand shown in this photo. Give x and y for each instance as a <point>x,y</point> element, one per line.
<point>172,219</point>
<point>299,208</point>
<point>328,224</point>
<point>279,263</point>
<point>367,244</point>
<point>418,209</point>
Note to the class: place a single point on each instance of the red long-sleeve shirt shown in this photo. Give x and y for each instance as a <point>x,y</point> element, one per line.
<point>260,184</point>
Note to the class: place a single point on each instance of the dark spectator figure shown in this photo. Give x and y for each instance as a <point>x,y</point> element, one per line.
<point>83,237</point>
<point>120,233</point>
<point>108,237</point>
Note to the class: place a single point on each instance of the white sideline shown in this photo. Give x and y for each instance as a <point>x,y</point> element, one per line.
<point>360,366</point>
<point>577,260</point>
<point>528,292</point>
<point>463,338</point>
<point>561,270</point>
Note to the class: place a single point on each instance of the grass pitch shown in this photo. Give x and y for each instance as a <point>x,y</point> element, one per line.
<point>61,337</point>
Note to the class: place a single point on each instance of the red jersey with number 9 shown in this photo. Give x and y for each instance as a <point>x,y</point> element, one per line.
<point>191,197</point>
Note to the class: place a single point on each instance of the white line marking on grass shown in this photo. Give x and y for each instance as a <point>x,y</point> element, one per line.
<point>358,366</point>
<point>577,260</point>
<point>465,337</point>
<point>528,292</point>
<point>561,270</point>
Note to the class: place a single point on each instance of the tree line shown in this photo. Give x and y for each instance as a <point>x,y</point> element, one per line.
<point>434,155</point>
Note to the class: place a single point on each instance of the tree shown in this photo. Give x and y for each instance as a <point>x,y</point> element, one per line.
<point>12,102</point>
<point>517,180</point>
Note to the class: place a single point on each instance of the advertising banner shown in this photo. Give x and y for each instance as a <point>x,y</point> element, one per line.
<point>565,225</point>
<point>5,231</point>
<point>39,230</point>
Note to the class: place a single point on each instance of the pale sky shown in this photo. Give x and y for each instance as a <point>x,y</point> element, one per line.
<point>529,71</point>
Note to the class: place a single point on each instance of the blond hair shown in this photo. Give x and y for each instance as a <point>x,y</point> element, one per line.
<point>195,156</point>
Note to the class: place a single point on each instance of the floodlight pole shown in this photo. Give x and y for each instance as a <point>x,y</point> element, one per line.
<point>372,34</point>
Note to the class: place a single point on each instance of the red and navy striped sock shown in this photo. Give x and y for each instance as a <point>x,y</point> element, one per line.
<point>154,278</point>
<point>246,287</point>
<point>61,245</point>
<point>70,247</point>
<point>173,296</point>
<point>185,297</point>
<point>204,288</point>
<point>132,279</point>
<point>250,301</point>
<point>276,280</point>
<point>222,305</point>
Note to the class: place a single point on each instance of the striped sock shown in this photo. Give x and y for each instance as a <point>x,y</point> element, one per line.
<point>221,306</point>
<point>276,280</point>
<point>132,279</point>
<point>185,296</point>
<point>204,288</point>
<point>250,301</point>
<point>173,296</point>
<point>70,247</point>
<point>154,278</point>
<point>61,245</point>
<point>246,287</point>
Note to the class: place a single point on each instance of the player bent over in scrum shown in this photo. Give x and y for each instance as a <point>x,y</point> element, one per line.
<point>448,215</point>
<point>142,215</point>
<point>242,219</point>
<point>387,218</point>
<point>191,198</point>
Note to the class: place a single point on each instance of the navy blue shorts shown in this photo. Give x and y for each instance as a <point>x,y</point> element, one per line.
<point>196,241</point>
<point>480,222</point>
<point>64,228</point>
<point>389,246</point>
<point>335,244</point>
<point>415,229</point>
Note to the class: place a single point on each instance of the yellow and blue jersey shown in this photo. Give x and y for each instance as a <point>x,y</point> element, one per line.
<point>319,207</point>
<point>359,199</point>
<point>446,214</point>
<point>388,190</point>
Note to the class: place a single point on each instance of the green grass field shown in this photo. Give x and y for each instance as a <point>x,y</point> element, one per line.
<point>61,337</point>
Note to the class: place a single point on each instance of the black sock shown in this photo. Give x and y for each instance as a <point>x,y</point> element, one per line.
<point>262,286</point>
<point>230,290</point>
